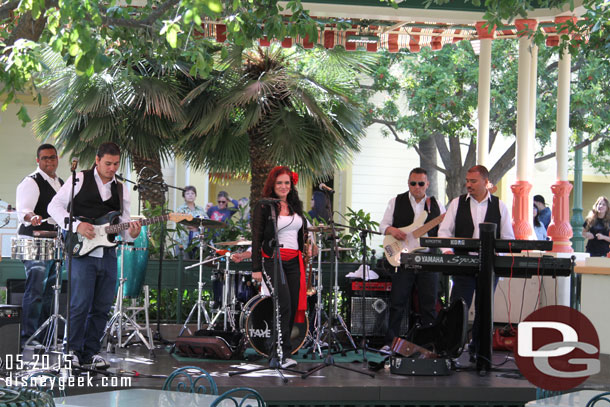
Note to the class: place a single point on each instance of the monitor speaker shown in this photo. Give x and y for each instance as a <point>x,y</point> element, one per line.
<point>376,316</point>
<point>10,328</point>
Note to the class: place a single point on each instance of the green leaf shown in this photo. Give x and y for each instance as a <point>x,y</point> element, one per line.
<point>22,114</point>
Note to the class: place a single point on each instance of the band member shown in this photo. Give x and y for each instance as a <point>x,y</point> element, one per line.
<point>97,192</point>
<point>292,235</point>
<point>400,212</point>
<point>33,195</point>
<point>462,220</point>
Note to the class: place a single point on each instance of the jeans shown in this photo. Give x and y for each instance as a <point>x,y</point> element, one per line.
<point>38,295</point>
<point>93,287</point>
<point>464,287</point>
<point>401,297</point>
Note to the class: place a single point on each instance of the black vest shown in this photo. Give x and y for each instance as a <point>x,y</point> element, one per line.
<point>46,195</point>
<point>88,202</point>
<point>464,225</point>
<point>404,215</point>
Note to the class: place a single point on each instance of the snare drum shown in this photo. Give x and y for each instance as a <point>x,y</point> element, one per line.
<point>136,261</point>
<point>36,249</point>
<point>256,320</point>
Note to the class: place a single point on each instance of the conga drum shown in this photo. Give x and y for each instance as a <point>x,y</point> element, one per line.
<point>134,267</point>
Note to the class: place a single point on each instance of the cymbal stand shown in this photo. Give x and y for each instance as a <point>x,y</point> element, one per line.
<point>316,345</point>
<point>334,315</point>
<point>199,305</point>
<point>51,339</point>
<point>226,309</point>
<point>121,319</point>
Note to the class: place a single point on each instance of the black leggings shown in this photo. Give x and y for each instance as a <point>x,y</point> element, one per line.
<point>288,297</point>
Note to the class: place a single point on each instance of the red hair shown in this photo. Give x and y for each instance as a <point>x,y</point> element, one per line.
<point>270,182</point>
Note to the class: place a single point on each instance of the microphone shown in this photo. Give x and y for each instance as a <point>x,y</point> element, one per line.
<point>74,164</point>
<point>119,177</point>
<point>326,188</point>
<point>269,201</point>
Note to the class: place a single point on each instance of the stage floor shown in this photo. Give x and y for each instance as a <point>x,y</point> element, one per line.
<point>504,386</point>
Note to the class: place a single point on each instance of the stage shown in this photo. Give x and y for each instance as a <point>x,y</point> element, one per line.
<point>504,386</point>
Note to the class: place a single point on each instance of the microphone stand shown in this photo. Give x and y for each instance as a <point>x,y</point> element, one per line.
<point>275,362</point>
<point>69,254</point>
<point>329,359</point>
<point>363,234</point>
<point>163,187</point>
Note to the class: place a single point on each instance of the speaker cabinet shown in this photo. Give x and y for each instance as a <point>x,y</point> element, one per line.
<point>10,328</point>
<point>376,316</point>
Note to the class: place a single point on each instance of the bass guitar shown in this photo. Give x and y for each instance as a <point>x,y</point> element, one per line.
<point>107,227</point>
<point>392,247</point>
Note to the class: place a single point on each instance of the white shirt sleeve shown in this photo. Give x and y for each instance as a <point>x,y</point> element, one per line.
<point>447,228</point>
<point>506,225</point>
<point>58,207</point>
<point>27,198</point>
<point>388,216</point>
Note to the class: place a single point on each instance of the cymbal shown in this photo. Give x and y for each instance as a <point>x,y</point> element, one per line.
<point>238,242</point>
<point>206,223</point>
<point>340,249</point>
<point>323,228</point>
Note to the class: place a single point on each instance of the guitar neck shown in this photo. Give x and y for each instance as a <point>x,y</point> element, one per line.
<point>119,227</point>
<point>422,230</point>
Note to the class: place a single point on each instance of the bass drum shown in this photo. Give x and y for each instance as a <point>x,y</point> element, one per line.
<point>256,321</point>
<point>134,269</point>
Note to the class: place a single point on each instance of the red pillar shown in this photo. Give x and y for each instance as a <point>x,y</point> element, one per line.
<point>560,230</point>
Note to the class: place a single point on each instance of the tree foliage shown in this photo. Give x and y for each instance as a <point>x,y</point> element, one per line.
<point>433,95</point>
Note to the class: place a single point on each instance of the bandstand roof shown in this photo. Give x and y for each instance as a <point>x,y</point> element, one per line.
<point>375,25</point>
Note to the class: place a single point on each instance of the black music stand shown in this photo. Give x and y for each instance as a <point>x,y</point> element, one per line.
<point>329,360</point>
<point>274,362</point>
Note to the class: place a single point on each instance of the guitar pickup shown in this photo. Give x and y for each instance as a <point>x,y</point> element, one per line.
<point>389,250</point>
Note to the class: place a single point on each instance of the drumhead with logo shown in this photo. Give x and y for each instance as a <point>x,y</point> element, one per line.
<point>256,321</point>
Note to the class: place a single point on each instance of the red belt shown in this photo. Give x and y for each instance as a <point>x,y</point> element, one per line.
<point>289,254</point>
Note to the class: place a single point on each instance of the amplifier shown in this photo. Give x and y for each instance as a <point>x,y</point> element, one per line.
<point>376,316</point>
<point>385,286</point>
<point>10,330</point>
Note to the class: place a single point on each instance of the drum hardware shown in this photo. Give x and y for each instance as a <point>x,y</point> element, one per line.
<point>199,305</point>
<point>334,318</point>
<point>204,223</point>
<point>238,242</point>
<point>44,249</point>
<point>123,321</point>
<point>322,229</point>
<point>339,249</point>
<point>318,327</point>
<point>227,310</point>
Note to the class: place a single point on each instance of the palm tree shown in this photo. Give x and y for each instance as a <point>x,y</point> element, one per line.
<point>137,107</point>
<point>268,107</point>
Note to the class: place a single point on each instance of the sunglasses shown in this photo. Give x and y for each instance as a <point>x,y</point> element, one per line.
<point>420,183</point>
<point>222,201</point>
<point>48,158</point>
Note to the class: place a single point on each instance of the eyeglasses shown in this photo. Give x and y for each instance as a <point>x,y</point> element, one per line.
<point>48,158</point>
<point>222,201</point>
<point>420,183</point>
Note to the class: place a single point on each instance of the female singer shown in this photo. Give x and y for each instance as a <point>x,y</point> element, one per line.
<point>292,236</point>
<point>596,228</point>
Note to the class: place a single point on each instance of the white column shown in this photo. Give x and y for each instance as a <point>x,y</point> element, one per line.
<point>484,101</point>
<point>523,108</point>
<point>563,115</point>
<point>531,128</point>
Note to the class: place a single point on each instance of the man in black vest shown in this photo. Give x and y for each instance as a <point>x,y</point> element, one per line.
<point>94,276</point>
<point>462,220</point>
<point>400,212</point>
<point>33,195</point>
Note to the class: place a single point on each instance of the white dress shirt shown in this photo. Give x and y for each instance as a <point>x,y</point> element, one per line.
<point>58,206</point>
<point>478,210</point>
<point>28,194</point>
<point>418,208</point>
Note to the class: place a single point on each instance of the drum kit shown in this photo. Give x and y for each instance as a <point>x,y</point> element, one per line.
<point>242,307</point>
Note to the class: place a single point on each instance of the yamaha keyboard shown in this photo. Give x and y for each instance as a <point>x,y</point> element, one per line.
<point>458,264</point>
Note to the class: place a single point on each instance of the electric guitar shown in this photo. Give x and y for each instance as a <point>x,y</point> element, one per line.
<point>392,247</point>
<point>106,229</point>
